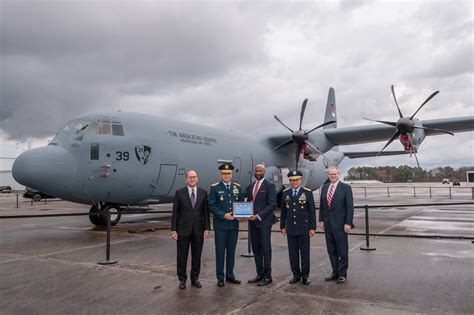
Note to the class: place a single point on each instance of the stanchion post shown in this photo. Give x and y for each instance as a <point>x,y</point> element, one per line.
<point>472,193</point>
<point>388,191</point>
<point>430,191</point>
<point>367,242</point>
<point>365,192</point>
<point>450,197</point>
<point>107,260</point>
<point>31,201</point>
<point>17,206</point>
<point>414,192</point>
<point>249,252</point>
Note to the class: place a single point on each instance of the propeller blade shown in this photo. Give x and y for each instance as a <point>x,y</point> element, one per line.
<point>298,151</point>
<point>390,123</point>
<point>278,119</point>
<point>414,149</point>
<point>322,125</point>
<point>303,109</point>
<point>427,100</point>
<point>309,144</point>
<point>434,129</point>
<point>395,99</point>
<point>394,136</point>
<point>284,144</point>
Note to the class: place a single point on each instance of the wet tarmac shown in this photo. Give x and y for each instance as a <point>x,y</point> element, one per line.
<point>49,265</point>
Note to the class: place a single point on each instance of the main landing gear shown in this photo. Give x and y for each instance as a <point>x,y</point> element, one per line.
<point>98,216</point>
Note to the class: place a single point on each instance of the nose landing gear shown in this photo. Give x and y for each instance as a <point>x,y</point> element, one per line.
<point>98,216</point>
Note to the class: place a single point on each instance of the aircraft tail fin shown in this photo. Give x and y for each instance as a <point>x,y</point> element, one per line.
<point>331,109</point>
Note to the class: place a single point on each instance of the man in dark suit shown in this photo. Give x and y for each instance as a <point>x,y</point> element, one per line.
<point>298,222</point>
<point>226,228</point>
<point>336,212</point>
<point>263,195</point>
<point>189,226</point>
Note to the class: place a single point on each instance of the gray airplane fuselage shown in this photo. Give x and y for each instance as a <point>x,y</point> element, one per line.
<point>138,159</point>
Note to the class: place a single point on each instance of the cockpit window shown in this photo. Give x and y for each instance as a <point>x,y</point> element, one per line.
<point>106,126</point>
<point>105,129</point>
<point>117,130</point>
<point>93,127</point>
<point>75,125</point>
<point>79,125</point>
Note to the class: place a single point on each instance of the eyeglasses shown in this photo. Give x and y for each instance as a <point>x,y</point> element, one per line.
<point>333,174</point>
<point>192,177</point>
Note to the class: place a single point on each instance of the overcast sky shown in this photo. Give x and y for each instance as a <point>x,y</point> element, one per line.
<point>234,64</point>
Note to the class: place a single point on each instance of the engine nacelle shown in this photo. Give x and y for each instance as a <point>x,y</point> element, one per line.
<point>417,137</point>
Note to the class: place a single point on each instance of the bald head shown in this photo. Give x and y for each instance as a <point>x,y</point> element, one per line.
<point>259,171</point>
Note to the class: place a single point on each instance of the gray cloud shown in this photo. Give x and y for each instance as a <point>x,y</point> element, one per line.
<point>66,57</point>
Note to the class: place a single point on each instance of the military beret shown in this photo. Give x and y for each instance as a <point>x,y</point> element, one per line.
<point>226,167</point>
<point>295,174</point>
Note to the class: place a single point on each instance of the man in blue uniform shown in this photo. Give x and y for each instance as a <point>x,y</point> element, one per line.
<point>226,228</point>
<point>336,212</point>
<point>298,222</point>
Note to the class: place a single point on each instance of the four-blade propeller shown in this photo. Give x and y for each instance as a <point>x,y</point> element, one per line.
<point>406,125</point>
<point>300,137</point>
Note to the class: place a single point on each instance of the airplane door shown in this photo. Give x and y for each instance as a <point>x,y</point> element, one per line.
<point>166,178</point>
<point>237,169</point>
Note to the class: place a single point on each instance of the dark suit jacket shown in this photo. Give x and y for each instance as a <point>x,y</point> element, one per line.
<point>264,204</point>
<point>342,207</point>
<point>185,218</point>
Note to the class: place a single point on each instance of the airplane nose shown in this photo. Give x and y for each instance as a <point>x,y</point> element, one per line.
<point>45,167</point>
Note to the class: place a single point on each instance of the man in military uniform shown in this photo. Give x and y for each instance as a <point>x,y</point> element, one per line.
<point>298,223</point>
<point>226,228</point>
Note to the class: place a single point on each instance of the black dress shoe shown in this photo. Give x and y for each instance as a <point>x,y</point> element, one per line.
<point>295,280</point>
<point>341,280</point>
<point>331,278</point>
<point>305,281</point>
<point>220,283</point>
<point>265,282</point>
<point>182,285</point>
<point>256,279</point>
<point>233,280</point>
<point>196,284</point>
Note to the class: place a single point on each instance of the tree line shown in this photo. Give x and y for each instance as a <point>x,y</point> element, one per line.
<point>405,173</point>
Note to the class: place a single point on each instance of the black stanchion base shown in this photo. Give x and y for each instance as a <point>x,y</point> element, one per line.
<point>367,248</point>
<point>247,254</point>
<point>107,262</point>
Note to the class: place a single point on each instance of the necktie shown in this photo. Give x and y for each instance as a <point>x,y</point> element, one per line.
<point>193,198</point>
<point>295,192</point>
<point>331,188</point>
<point>255,190</point>
<point>227,186</point>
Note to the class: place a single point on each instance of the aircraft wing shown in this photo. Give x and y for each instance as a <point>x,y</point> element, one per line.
<point>364,154</point>
<point>379,132</point>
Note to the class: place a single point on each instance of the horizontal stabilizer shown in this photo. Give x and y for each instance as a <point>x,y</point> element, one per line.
<point>364,154</point>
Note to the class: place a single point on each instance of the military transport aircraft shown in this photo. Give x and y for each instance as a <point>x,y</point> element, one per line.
<point>112,160</point>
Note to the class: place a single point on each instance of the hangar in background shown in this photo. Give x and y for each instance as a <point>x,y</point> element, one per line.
<point>8,154</point>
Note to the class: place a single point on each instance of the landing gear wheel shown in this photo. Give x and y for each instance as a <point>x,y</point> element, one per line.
<point>95,216</point>
<point>37,197</point>
<point>115,214</point>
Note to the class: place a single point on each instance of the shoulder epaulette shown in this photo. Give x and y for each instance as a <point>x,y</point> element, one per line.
<point>307,189</point>
<point>236,184</point>
<point>215,184</point>
<point>287,189</point>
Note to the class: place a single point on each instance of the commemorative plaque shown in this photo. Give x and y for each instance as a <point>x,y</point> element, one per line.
<point>242,209</point>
